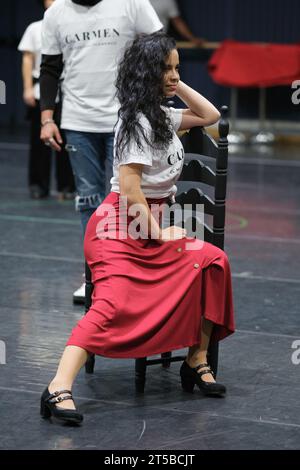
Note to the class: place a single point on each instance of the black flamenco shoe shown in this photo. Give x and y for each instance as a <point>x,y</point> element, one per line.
<point>48,407</point>
<point>191,377</point>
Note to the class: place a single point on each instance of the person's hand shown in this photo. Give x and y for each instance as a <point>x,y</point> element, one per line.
<point>28,97</point>
<point>198,42</point>
<point>171,233</point>
<point>50,135</point>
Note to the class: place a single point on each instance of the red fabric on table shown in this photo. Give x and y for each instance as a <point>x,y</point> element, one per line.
<point>238,64</point>
<point>149,298</point>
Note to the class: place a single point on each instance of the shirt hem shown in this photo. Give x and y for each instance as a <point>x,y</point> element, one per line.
<point>148,196</point>
<point>96,130</point>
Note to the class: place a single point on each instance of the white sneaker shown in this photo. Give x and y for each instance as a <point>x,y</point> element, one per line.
<point>79,295</point>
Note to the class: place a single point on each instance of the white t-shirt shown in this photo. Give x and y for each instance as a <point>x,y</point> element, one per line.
<point>162,168</point>
<point>92,41</point>
<point>165,10</point>
<point>32,42</point>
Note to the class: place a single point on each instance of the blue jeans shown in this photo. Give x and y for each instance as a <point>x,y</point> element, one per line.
<point>91,158</point>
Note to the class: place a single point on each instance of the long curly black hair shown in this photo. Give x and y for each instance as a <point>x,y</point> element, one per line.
<point>140,90</point>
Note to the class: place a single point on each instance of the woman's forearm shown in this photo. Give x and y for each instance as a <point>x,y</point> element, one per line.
<point>138,207</point>
<point>182,28</point>
<point>197,103</point>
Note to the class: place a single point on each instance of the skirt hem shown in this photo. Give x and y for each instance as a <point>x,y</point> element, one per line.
<point>138,356</point>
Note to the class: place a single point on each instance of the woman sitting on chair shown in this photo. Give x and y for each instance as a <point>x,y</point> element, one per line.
<point>155,290</point>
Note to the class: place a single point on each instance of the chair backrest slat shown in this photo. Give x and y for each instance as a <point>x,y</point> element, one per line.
<point>196,196</point>
<point>196,140</point>
<point>195,170</point>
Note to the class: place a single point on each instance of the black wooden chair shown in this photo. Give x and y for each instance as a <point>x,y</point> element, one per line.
<point>205,164</point>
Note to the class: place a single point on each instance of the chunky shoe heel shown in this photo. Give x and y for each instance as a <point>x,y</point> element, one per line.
<point>191,377</point>
<point>45,412</point>
<point>49,408</point>
<point>187,385</point>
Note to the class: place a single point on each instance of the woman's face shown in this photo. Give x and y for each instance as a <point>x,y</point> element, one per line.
<point>48,3</point>
<point>171,75</point>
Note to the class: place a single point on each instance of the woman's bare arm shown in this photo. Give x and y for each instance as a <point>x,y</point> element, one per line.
<point>200,111</point>
<point>183,29</point>
<point>27,67</point>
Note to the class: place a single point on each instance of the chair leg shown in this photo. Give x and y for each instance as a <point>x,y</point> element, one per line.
<point>166,359</point>
<point>90,363</point>
<point>212,357</point>
<point>140,374</point>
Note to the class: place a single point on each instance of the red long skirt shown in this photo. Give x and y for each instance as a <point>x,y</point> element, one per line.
<point>150,298</point>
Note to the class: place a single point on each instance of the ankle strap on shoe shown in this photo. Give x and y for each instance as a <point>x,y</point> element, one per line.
<point>55,398</point>
<point>59,399</point>
<point>206,369</point>
<point>202,365</point>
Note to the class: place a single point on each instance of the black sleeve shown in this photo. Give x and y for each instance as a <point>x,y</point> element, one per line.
<point>51,70</point>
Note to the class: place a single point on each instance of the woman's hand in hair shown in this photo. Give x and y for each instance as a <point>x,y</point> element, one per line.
<point>200,112</point>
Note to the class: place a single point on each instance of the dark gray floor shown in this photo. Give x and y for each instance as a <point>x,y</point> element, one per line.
<point>41,265</point>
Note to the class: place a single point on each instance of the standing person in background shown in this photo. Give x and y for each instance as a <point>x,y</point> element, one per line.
<point>40,156</point>
<point>168,12</point>
<point>85,39</point>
